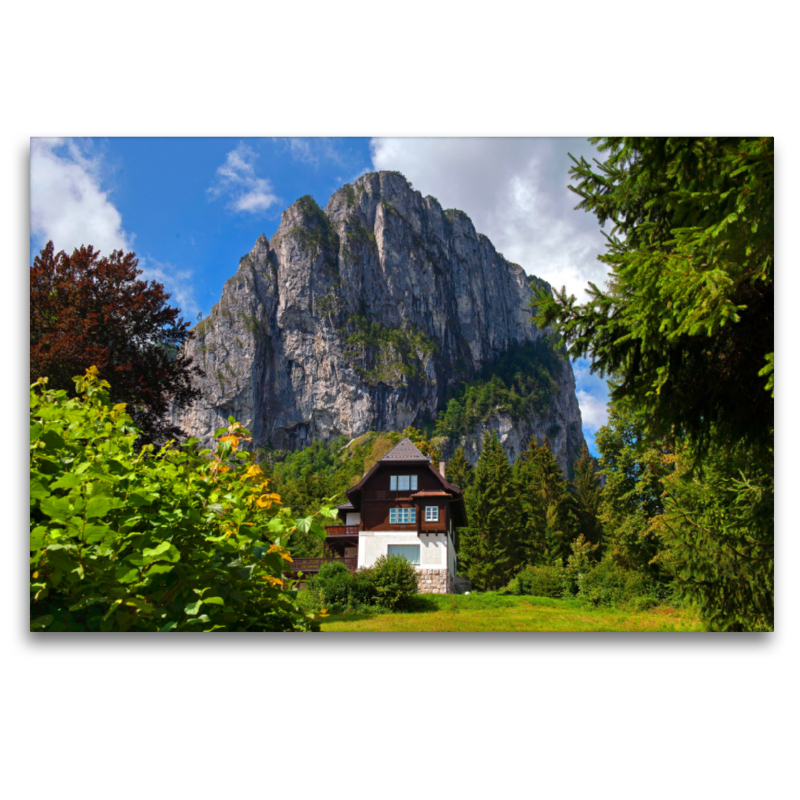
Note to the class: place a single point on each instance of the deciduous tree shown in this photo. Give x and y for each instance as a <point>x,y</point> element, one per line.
<point>88,310</point>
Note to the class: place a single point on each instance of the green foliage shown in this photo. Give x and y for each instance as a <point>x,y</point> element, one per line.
<point>178,539</point>
<point>545,580</point>
<point>548,507</point>
<point>389,355</point>
<point>578,563</point>
<point>631,500</point>
<point>520,381</point>
<point>686,323</point>
<point>318,233</point>
<point>459,471</point>
<point>337,589</point>
<point>490,548</point>
<point>608,584</point>
<point>394,581</point>
<point>587,493</point>
<point>718,532</point>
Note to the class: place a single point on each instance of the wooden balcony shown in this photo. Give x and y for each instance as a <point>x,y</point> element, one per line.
<point>342,530</point>
<point>307,565</point>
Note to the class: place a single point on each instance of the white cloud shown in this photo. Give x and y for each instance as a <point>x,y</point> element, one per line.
<point>594,412</point>
<point>515,191</point>
<point>179,283</point>
<point>237,180</point>
<point>68,204</point>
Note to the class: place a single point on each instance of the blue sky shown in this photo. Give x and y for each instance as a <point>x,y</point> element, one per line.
<point>191,207</point>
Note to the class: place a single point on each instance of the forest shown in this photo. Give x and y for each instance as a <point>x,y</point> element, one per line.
<point>135,528</point>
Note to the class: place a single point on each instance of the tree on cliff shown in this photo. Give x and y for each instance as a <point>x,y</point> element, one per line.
<point>686,323</point>
<point>92,311</point>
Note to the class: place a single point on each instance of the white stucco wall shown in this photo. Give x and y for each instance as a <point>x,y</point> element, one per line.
<point>433,551</point>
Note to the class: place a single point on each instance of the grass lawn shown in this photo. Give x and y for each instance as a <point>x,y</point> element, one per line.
<point>491,612</point>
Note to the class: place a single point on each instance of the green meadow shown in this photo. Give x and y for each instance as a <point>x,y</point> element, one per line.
<point>494,612</point>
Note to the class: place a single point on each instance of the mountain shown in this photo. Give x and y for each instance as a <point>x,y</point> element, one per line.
<point>372,315</point>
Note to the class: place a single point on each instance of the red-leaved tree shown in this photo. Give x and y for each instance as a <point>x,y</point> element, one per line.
<point>92,311</point>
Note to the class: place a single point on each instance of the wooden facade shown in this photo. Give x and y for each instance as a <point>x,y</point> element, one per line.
<point>403,479</point>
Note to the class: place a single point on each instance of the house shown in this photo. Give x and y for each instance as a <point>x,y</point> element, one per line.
<point>403,506</point>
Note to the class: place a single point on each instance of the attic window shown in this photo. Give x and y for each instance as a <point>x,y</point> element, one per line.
<point>431,513</point>
<point>402,483</point>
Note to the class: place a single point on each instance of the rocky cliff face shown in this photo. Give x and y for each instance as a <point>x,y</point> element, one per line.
<point>361,318</point>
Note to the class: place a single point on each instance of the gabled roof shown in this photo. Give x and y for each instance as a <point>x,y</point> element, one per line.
<point>404,450</point>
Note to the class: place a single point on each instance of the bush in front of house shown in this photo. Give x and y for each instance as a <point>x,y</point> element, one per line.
<point>389,585</point>
<point>394,580</point>
<point>338,590</point>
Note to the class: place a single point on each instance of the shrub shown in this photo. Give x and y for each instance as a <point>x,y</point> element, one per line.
<point>607,583</point>
<point>179,539</point>
<point>336,589</point>
<point>541,581</point>
<point>394,581</point>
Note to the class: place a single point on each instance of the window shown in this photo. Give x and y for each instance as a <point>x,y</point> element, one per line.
<point>402,483</point>
<point>409,551</point>
<point>431,513</point>
<point>402,516</point>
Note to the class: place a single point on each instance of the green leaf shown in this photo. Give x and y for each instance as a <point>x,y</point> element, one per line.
<point>216,600</point>
<point>139,499</point>
<point>67,481</point>
<point>38,489</point>
<point>100,505</point>
<point>56,507</point>
<point>193,608</point>
<point>38,537</point>
<point>95,532</point>
<point>40,623</point>
<point>158,550</point>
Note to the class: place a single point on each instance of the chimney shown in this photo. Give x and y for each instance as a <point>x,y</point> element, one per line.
<point>441,468</point>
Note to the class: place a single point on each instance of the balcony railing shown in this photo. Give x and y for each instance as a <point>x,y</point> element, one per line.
<point>313,564</point>
<point>342,530</point>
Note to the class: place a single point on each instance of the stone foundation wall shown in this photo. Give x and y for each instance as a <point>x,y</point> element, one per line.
<point>433,581</point>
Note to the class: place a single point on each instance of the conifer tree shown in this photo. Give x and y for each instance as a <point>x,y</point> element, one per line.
<point>634,470</point>
<point>459,471</point>
<point>587,492</point>
<point>548,506</point>
<point>490,546</point>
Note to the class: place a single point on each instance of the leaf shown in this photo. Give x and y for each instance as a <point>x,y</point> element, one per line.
<point>67,481</point>
<point>159,569</point>
<point>100,505</point>
<point>38,537</point>
<point>94,532</point>
<point>192,608</point>
<point>139,499</point>
<point>154,552</point>
<point>40,623</point>
<point>216,600</point>
<point>168,627</point>
<point>38,489</point>
<point>56,507</point>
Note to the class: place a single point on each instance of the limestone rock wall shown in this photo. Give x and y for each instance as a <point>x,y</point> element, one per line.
<point>359,318</point>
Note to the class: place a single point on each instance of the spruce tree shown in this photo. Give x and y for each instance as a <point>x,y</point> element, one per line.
<point>459,471</point>
<point>548,506</point>
<point>490,551</point>
<point>587,492</point>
